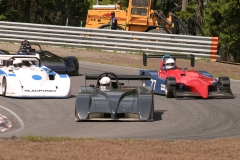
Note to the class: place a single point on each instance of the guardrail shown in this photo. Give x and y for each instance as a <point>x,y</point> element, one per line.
<point>109,39</point>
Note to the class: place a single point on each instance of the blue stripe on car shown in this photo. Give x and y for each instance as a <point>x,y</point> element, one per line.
<point>63,75</point>
<point>1,72</point>
<point>50,72</point>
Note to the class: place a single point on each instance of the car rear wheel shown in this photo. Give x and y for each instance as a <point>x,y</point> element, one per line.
<point>4,86</point>
<point>170,86</point>
<point>72,62</point>
<point>223,83</point>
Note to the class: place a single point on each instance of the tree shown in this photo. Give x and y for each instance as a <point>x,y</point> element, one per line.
<point>222,19</point>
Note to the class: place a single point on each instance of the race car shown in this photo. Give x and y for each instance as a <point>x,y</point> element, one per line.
<point>62,65</point>
<point>181,82</point>
<point>116,102</point>
<point>23,76</point>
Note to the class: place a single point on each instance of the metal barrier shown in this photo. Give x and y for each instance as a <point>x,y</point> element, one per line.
<point>109,39</point>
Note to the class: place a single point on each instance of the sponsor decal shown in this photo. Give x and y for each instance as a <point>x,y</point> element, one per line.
<point>40,90</point>
<point>107,15</point>
<point>36,77</point>
<point>163,87</point>
<point>104,16</point>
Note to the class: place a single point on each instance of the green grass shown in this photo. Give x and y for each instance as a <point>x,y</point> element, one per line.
<point>40,139</point>
<point>61,139</point>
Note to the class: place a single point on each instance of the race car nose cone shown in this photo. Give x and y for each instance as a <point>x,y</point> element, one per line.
<point>36,77</point>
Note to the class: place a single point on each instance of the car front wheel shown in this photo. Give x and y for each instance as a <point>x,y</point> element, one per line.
<point>170,86</point>
<point>224,83</point>
<point>4,86</point>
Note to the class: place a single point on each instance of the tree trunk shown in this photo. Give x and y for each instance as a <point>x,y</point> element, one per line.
<point>27,11</point>
<point>184,5</point>
<point>200,9</point>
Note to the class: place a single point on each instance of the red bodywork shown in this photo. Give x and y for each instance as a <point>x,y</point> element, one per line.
<point>192,79</point>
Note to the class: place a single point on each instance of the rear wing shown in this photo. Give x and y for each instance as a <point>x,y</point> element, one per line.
<point>113,76</point>
<point>119,77</point>
<point>146,56</point>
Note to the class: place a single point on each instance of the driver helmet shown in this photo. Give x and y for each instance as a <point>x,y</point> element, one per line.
<point>105,81</point>
<point>170,63</point>
<point>17,63</point>
<point>26,48</point>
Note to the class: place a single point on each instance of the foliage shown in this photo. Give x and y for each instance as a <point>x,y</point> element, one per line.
<point>189,13</point>
<point>45,11</point>
<point>222,19</point>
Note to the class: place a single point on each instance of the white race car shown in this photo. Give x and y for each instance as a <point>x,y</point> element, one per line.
<point>24,77</point>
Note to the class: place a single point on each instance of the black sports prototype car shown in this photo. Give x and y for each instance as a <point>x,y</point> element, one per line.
<point>62,65</point>
<point>118,102</point>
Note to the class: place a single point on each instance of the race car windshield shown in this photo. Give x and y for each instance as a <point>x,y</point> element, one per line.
<point>18,65</point>
<point>108,84</point>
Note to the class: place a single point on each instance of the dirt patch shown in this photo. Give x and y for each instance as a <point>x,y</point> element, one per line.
<point>228,148</point>
<point>121,149</point>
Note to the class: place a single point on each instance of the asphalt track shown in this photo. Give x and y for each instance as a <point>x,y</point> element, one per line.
<point>174,119</point>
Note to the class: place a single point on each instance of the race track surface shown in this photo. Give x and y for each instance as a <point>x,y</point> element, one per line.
<point>174,119</point>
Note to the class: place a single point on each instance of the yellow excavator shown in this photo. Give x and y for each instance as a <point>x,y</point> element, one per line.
<point>139,17</point>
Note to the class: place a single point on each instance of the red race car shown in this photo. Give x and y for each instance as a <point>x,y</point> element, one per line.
<point>173,81</point>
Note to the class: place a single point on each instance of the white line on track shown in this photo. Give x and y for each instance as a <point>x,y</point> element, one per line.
<point>18,118</point>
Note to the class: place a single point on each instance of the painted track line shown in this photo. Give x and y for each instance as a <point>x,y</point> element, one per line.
<point>18,118</point>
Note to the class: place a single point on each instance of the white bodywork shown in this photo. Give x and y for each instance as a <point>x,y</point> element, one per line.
<point>32,81</point>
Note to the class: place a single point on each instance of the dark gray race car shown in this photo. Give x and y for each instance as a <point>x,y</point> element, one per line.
<point>117,103</point>
<point>62,65</point>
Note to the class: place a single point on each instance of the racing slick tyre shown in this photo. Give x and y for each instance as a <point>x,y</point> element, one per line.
<point>73,62</point>
<point>170,86</point>
<point>223,83</point>
<point>4,86</point>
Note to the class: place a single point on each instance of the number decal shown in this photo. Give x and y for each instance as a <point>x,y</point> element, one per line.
<point>163,87</point>
<point>153,83</point>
